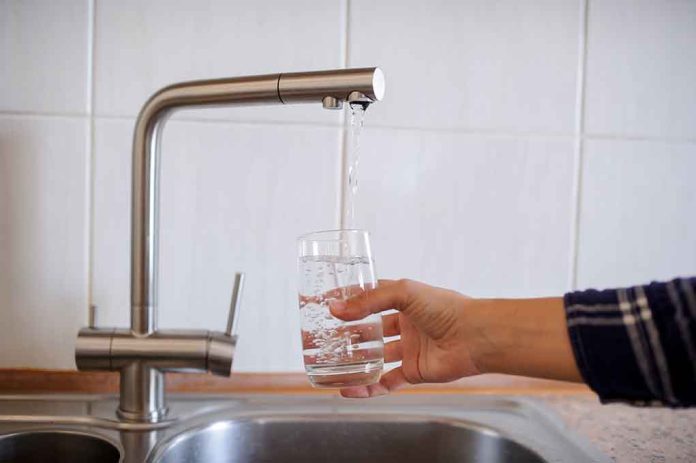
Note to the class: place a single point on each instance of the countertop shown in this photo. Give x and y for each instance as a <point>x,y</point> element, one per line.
<point>629,434</point>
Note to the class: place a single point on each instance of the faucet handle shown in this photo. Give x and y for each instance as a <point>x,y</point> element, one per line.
<point>92,316</point>
<point>236,302</point>
<point>221,346</point>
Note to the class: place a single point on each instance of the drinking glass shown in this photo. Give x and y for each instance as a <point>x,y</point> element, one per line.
<point>337,265</point>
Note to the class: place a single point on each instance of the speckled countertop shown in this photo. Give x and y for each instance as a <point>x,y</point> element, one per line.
<point>630,434</point>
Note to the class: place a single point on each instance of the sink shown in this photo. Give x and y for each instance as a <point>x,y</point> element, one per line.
<point>348,438</point>
<point>57,447</point>
<point>290,428</point>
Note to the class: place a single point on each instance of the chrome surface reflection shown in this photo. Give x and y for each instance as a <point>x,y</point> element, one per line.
<point>254,427</point>
<point>348,438</point>
<point>57,447</point>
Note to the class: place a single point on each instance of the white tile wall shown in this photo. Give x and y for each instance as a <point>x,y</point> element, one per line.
<point>467,174</point>
<point>504,65</point>
<point>488,216</point>
<point>43,55</point>
<point>641,68</point>
<point>234,197</point>
<point>111,221</point>
<point>637,220</point>
<point>43,258</point>
<point>142,46</point>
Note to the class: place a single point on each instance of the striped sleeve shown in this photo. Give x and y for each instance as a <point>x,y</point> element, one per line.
<point>637,344</point>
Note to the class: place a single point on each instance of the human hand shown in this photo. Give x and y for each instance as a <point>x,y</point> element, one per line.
<point>434,344</point>
<point>445,336</point>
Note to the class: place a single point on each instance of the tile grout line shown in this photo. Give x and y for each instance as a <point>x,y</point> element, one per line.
<point>343,139</point>
<point>470,131</point>
<point>376,126</point>
<point>89,184</point>
<point>641,138</point>
<point>25,113</point>
<point>579,145</point>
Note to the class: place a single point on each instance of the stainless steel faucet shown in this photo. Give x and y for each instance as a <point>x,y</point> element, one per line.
<point>143,353</point>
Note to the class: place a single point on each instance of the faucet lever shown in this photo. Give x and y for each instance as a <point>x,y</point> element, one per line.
<point>92,316</point>
<point>236,302</point>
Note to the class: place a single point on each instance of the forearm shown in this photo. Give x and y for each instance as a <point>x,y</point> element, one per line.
<point>527,337</point>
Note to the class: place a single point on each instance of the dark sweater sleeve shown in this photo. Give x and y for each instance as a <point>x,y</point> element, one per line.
<point>637,344</point>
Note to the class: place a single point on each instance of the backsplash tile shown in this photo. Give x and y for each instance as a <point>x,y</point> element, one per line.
<point>641,68</point>
<point>43,55</point>
<point>111,220</point>
<point>43,262</point>
<point>234,198</point>
<point>637,220</point>
<point>467,171</point>
<point>471,64</point>
<point>142,46</point>
<point>488,216</point>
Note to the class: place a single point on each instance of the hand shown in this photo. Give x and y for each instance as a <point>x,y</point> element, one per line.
<point>435,338</point>
<point>446,336</point>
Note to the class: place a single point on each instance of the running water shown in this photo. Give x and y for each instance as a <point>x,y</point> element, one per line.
<point>352,162</point>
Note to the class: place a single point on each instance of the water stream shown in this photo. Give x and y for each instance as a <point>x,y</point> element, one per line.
<point>352,162</point>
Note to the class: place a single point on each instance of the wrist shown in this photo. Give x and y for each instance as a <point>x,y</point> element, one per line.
<point>492,333</point>
<point>527,337</point>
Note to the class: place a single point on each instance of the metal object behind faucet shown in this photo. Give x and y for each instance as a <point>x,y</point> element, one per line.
<point>142,353</point>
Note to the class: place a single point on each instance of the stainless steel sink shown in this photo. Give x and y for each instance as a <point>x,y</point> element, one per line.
<point>56,447</point>
<point>280,428</point>
<point>348,438</point>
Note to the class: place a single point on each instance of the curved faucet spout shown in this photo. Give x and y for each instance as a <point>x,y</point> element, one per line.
<point>146,170</point>
<point>291,88</point>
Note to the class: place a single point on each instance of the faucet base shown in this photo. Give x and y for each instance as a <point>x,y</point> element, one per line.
<point>152,417</point>
<point>142,394</point>
<point>142,361</point>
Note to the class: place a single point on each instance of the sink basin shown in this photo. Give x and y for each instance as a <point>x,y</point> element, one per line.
<point>290,428</point>
<point>57,447</point>
<point>344,438</point>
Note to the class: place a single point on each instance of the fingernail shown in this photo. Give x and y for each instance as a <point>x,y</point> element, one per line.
<point>376,390</point>
<point>355,392</point>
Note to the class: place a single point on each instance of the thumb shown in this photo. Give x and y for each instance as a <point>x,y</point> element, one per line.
<point>388,295</point>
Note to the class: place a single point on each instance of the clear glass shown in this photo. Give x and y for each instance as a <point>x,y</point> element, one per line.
<point>335,265</point>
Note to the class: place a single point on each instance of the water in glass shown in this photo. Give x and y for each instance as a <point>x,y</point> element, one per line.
<point>338,353</point>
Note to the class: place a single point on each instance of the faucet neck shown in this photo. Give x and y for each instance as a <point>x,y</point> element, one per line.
<point>146,173</point>
<point>365,85</point>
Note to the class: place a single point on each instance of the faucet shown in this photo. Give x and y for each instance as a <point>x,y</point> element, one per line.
<point>143,353</point>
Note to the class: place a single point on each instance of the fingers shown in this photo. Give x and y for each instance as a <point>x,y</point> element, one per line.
<point>355,392</point>
<point>393,352</point>
<point>349,334</point>
<point>390,295</point>
<point>391,381</point>
<point>344,292</point>
<point>390,325</point>
<point>394,380</point>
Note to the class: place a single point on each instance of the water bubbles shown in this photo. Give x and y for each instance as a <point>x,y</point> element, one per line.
<point>330,344</point>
